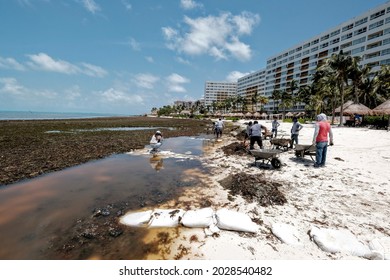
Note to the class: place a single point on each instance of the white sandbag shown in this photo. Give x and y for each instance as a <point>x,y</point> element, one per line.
<point>286,233</point>
<point>233,220</point>
<point>136,219</point>
<point>198,218</point>
<point>381,246</point>
<point>334,241</point>
<point>211,230</point>
<point>166,218</point>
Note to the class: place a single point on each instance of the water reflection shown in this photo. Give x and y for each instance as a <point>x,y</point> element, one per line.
<point>156,162</point>
<point>49,217</point>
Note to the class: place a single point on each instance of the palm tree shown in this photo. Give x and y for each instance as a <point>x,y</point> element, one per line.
<point>292,86</point>
<point>262,100</point>
<point>286,101</point>
<point>275,97</point>
<point>341,66</point>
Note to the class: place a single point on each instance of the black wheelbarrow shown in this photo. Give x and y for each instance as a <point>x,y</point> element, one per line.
<point>267,156</point>
<point>305,150</point>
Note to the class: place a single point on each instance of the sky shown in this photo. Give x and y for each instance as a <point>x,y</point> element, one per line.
<point>128,56</point>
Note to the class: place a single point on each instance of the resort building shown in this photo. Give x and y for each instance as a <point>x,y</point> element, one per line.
<point>218,92</point>
<point>251,87</point>
<point>367,36</point>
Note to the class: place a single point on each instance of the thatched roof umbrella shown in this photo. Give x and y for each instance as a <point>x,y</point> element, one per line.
<point>345,105</point>
<point>383,109</point>
<point>357,108</point>
<point>248,115</point>
<point>256,115</point>
<point>264,115</point>
<point>289,114</point>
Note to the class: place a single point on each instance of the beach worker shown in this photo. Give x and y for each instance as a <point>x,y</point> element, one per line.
<point>255,135</point>
<point>275,125</point>
<point>296,127</point>
<point>156,141</point>
<point>219,125</point>
<point>322,130</point>
<point>247,132</point>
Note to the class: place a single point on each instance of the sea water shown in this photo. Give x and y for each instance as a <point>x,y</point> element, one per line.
<point>30,115</point>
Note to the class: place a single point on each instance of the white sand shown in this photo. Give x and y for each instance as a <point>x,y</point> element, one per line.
<point>352,192</point>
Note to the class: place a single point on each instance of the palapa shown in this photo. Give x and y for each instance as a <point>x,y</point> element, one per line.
<point>357,108</point>
<point>382,109</point>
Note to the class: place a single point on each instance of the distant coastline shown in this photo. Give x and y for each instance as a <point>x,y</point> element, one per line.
<point>31,115</point>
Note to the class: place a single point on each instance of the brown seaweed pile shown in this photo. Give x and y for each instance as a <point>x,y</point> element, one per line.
<point>254,188</point>
<point>235,148</point>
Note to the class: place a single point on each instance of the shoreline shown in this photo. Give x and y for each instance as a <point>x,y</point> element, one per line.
<point>28,150</point>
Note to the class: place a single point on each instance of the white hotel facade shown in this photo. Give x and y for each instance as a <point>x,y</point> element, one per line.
<point>215,91</point>
<point>366,35</point>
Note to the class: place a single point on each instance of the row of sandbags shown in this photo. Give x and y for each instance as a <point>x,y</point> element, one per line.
<point>202,218</point>
<point>328,240</point>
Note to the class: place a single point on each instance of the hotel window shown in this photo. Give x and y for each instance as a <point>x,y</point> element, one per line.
<point>387,20</point>
<point>325,37</point>
<point>358,41</point>
<point>385,62</point>
<point>306,52</point>
<point>346,36</point>
<point>357,50</point>
<point>385,52</point>
<point>286,54</point>
<point>348,27</point>
<point>360,31</point>
<point>298,49</point>
<point>376,24</point>
<point>336,49</point>
<point>335,41</point>
<point>291,58</point>
<point>298,55</point>
<point>315,41</point>
<point>372,55</point>
<point>386,41</point>
<point>346,45</point>
<point>306,45</point>
<point>374,45</point>
<point>347,53</point>
<point>334,33</point>
<point>386,31</point>
<point>375,35</point>
<point>324,45</point>
<point>359,22</point>
<point>314,49</point>
<point>378,14</point>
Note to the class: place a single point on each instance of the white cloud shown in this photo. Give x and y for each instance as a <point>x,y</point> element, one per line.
<point>93,70</point>
<point>190,4</point>
<point>134,44</point>
<point>175,82</point>
<point>11,86</point>
<point>217,36</point>
<point>149,59</point>
<point>117,96</point>
<point>235,75</point>
<point>127,5</point>
<point>183,61</point>
<point>91,6</point>
<point>10,63</point>
<point>44,62</point>
<point>146,80</point>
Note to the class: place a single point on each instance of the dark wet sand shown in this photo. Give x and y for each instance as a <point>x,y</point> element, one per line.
<point>29,148</point>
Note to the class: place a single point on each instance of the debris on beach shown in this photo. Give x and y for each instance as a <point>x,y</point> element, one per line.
<point>235,148</point>
<point>254,188</point>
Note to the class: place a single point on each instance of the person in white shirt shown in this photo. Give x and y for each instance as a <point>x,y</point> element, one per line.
<point>275,125</point>
<point>219,125</point>
<point>296,127</point>
<point>256,135</point>
<point>156,141</point>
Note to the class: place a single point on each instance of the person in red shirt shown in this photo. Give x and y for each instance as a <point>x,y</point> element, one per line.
<point>320,139</point>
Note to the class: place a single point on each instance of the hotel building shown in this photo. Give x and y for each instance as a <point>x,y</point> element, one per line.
<point>251,85</point>
<point>218,92</point>
<point>367,36</point>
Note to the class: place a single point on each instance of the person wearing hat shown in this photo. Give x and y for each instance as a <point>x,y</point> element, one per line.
<point>296,127</point>
<point>156,141</point>
<point>320,138</point>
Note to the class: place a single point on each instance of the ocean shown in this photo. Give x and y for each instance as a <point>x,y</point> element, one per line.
<point>29,115</point>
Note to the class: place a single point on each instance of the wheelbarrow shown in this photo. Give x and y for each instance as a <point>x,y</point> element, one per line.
<point>281,143</point>
<point>267,156</point>
<point>305,150</point>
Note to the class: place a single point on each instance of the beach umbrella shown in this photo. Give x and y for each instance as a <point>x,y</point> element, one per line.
<point>248,115</point>
<point>346,104</point>
<point>289,114</point>
<point>383,109</point>
<point>358,109</point>
<point>256,115</point>
<point>264,115</point>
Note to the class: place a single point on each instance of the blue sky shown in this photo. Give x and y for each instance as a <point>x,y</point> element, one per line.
<point>127,56</point>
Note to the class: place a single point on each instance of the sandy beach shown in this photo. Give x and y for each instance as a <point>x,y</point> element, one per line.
<point>350,194</point>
